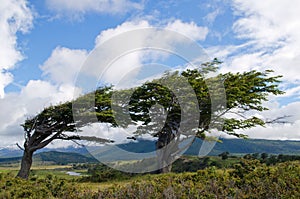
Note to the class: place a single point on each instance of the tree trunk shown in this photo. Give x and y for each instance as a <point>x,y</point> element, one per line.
<point>164,157</point>
<point>166,169</point>
<point>25,164</point>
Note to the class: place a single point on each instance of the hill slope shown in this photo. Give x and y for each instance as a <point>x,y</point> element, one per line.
<point>250,146</point>
<point>63,157</point>
<point>54,157</point>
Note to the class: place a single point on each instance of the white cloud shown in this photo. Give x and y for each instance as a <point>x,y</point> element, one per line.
<point>211,17</point>
<point>5,79</point>
<point>64,64</point>
<point>15,16</point>
<point>77,8</point>
<point>270,32</point>
<point>191,30</point>
<point>132,47</point>
<point>35,96</point>
<point>272,40</point>
<point>285,126</point>
<point>124,27</point>
<point>267,21</point>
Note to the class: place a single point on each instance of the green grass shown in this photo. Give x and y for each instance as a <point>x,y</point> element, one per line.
<point>42,171</point>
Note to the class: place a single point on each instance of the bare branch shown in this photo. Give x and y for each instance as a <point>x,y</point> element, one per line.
<point>239,114</point>
<point>96,139</point>
<point>19,146</point>
<point>68,137</point>
<point>82,145</point>
<point>46,142</point>
<point>278,120</point>
<point>131,138</point>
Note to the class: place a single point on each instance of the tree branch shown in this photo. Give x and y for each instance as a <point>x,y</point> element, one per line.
<point>278,120</point>
<point>19,146</point>
<point>66,137</point>
<point>96,139</point>
<point>82,145</point>
<point>46,142</point>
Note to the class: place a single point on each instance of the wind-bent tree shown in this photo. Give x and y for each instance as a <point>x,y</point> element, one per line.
<point>245,92</point>
<point>57,123</point>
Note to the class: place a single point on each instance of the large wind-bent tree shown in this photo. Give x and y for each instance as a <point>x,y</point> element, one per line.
<point>245,93</point>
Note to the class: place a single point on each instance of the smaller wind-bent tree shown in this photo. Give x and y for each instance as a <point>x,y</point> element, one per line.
<point>57,123</point>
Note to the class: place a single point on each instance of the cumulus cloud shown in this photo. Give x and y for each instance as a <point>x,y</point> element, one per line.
<point>77,8</point>
<point>124,27</point>
<point>271,29</point>
<point>15,16</point>
<point>122,50</point>
<point>269,33</point>
<point>191,30</point>
<point>287,131</point>
<point>16,107</point>
<point>64,64</point>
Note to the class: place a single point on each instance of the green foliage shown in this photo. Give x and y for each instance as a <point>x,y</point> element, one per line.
<point>224,155</point>
<point>49,187</point>
<point>103,173</point>
<point>244,92</point>
<point>188,164</point>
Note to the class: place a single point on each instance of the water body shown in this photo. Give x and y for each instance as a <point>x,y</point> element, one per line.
<point>72,173</point>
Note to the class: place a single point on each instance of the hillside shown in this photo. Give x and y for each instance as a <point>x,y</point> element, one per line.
<point>233,146</point>
<point>245,146</point>
<point>55,157</point>
<point>63,157</point>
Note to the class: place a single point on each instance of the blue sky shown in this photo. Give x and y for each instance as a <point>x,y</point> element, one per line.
<point>44,43</point>
<point>79,32</point>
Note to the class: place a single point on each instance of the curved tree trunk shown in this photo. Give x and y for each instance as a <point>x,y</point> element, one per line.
<point>25,164</point>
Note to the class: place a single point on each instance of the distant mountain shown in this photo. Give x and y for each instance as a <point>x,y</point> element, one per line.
<point>16,152</point>
<point>54,157</point>
<point>63,157</point>
<point>10,160</point>
<point>233,146</point>
<point>10,152</point>
<point>245,146</point>
<point>81,154</point>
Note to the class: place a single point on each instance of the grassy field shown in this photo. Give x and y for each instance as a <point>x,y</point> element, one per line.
<point>44,170</point>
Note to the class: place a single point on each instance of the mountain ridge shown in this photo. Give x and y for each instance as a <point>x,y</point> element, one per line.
<point>233,146</point>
